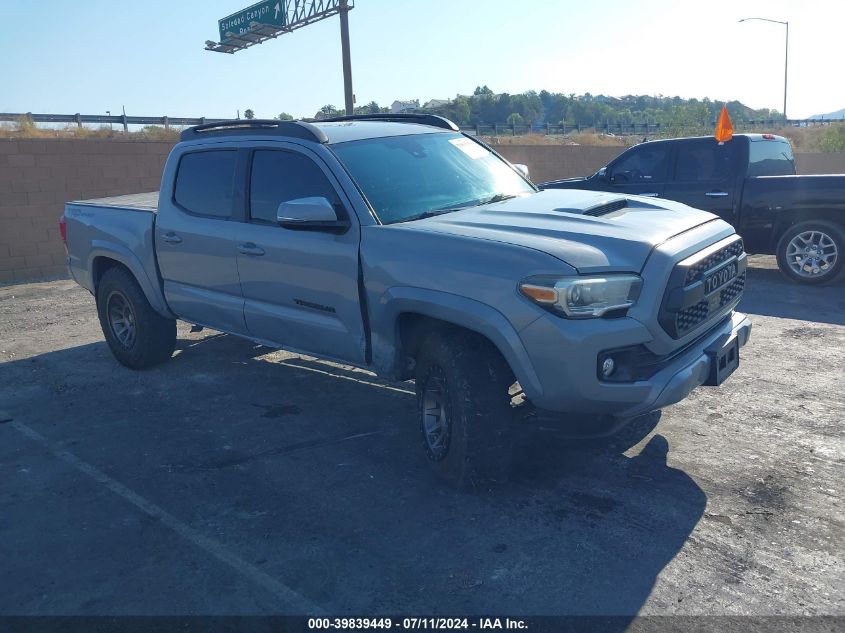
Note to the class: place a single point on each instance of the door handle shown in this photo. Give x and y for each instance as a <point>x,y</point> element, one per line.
<point>250,249</point>
<point>651,194</point>
<point>717,194</point>
<point>171,238</point>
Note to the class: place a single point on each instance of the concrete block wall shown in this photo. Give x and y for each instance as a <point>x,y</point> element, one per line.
<point>37,176</point>
<point>552,162</point>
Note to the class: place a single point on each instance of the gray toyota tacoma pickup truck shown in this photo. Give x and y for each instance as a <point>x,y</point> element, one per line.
<point>398,244</point>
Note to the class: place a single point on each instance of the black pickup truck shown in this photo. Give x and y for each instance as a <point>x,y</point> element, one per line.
<point>750,182</point>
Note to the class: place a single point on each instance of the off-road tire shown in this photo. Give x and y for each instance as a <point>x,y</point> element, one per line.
<point>829,229</point>
<point>154,336</point>
<point>474,380</point>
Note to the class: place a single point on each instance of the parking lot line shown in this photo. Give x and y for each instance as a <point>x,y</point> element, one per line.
<point>293,601</point>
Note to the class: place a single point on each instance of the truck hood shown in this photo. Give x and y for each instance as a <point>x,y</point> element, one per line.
<point>591,231</point>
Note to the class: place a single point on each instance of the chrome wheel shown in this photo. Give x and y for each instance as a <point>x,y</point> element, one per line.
<point>436,414</point>
<point>812,254</point>
<point>121,319</point>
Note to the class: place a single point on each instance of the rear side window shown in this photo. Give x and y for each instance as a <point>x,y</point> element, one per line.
<point>642,165</point>
<point>701,162</point>
<point>770,158</point>
<point>279,176</point>
<point>205,183</point>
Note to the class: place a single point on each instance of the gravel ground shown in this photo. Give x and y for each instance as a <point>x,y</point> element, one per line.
<point>240,480</point>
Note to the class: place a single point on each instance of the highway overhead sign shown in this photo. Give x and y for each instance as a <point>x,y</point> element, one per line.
<point>269,13</point>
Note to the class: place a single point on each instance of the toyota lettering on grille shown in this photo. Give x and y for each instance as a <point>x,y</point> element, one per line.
<point>714,281</point>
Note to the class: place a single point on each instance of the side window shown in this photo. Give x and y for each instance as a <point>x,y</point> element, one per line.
<point>642,165</point>
<point>204,182</point>
<point>702,162</point>
<point>278,176</point>
<point>770,157</point>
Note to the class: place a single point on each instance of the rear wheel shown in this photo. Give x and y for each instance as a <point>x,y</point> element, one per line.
<point>812,252</point>
<point>138,336</point>
<point>464,408</point>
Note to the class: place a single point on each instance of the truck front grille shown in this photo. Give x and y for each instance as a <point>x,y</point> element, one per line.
<point>686,306</point>
<point>711,261</point>
<point>690,318</point>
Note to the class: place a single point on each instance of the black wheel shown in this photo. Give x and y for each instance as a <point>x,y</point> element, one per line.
<point>812,252</point>
<point>138,336</point>
<point>464,408</point>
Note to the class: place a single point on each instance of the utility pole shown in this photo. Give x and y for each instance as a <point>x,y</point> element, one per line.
<point>347,59</point>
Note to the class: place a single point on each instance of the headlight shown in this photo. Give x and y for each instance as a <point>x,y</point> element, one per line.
<point>583,297</point>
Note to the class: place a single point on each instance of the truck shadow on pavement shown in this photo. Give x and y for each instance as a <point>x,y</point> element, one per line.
<point>769,293</point>
<point>315,474</point>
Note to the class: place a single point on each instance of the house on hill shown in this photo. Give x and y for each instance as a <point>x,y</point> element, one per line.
<point>434,104</point>
<point>398,107</point>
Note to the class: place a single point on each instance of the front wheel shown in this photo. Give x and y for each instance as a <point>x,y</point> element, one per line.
<point>812,252</point>
<point>464,408</point>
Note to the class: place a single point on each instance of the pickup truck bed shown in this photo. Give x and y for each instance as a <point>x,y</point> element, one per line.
<point>134,201</point>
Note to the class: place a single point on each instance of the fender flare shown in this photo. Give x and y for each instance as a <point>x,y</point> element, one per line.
<point>461,311</point>
<point>124,256</point>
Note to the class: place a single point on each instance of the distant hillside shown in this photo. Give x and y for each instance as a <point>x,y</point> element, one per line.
<point>544,107</point>
<point>839,114</point>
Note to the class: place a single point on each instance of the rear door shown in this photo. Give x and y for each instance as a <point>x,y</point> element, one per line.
<point>705,176</point>
<point>300,287</point>
<point>642,170</point>
<point>195,241</point>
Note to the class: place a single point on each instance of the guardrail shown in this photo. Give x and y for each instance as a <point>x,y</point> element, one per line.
<point>120,119</point>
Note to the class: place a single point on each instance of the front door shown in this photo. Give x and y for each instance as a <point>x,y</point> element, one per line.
<point>705,176</point>
<point>300,288</point>
<point>195,242</point>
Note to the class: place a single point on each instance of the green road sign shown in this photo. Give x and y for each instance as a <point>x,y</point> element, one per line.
<point>269,12</point>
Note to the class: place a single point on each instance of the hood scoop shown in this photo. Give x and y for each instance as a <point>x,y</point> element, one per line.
<point>598,210</point>
<point>610,207</point>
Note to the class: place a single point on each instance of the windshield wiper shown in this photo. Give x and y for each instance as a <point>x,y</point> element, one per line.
<point>430,214</point>
<point>499,197</point>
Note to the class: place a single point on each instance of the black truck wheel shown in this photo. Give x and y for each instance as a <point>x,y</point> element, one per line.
<point>464,408</point>
<point>138,336</point>
<point>812,252</point>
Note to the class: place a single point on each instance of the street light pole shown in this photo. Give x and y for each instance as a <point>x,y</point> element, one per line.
<point>347,62</point>
<point>785,58</point>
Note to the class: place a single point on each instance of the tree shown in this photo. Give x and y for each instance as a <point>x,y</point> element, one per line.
<point>515,119</point>
<point>284,116</point>
<point>249,114</point>
<point>329,109</point>
<point>834,139</point>
<point>460,110</point>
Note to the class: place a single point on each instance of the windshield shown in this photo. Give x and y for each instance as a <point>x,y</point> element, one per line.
<point>410,177</point>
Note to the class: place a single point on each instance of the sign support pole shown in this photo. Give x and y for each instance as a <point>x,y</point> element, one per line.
<point>347,61</point>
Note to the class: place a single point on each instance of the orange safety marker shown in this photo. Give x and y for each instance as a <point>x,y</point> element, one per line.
<point>724,127</point>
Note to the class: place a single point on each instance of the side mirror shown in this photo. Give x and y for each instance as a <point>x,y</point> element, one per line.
<point>311,214</point>
<point>522,169</point>
<point>601,174</point>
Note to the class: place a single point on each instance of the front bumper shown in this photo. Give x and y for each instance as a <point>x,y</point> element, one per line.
<point>567,370</point>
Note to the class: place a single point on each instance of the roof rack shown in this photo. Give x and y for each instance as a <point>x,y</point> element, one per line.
<point>297,129</point>
<point>404,117</point>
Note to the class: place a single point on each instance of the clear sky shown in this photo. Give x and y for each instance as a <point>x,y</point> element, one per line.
<point>90,56</point>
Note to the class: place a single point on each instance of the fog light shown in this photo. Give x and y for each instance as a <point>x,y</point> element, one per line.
<point>607,367</point>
